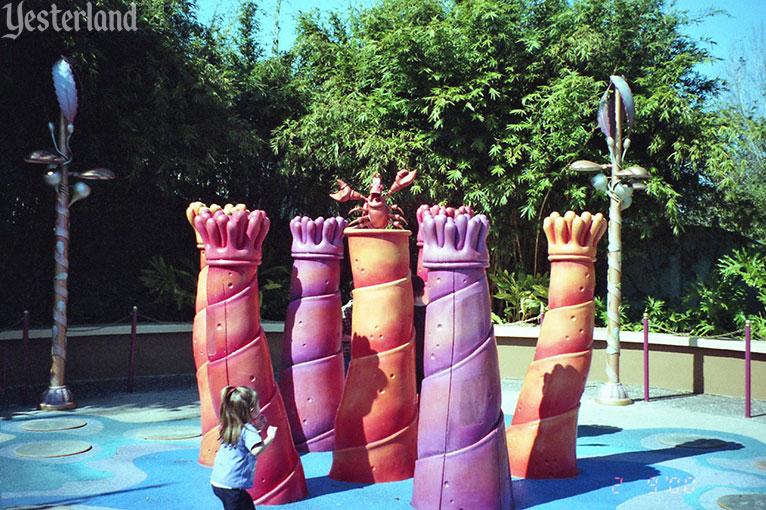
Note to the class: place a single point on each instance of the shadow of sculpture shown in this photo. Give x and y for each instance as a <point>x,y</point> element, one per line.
<point>354,430</point>
<point>606,471</point>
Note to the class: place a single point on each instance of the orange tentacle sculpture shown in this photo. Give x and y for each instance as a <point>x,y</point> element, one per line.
<point>376,424</point>
<point>235,347</point>
<point>542,436</point>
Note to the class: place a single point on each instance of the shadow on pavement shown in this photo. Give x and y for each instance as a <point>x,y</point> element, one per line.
<point>600,472</point>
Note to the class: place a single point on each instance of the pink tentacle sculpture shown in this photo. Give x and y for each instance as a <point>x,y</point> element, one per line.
<point>462,454</point>
<point>543,433</point>
<point>236,349</point>
<point>376,424</point>
<point>208,414</point>
<point>208,418</point>
<point>311,380</point>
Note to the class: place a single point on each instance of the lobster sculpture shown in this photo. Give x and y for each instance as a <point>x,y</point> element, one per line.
<point>375,212</point>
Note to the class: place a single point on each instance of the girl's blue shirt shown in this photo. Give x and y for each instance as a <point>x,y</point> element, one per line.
<point>234,466</point>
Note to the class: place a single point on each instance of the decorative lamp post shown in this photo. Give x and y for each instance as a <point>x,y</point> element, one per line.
<point>57,161</point>
<point>616,111</point>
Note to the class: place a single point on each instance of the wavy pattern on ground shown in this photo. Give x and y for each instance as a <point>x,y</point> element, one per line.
<point>121,465</point>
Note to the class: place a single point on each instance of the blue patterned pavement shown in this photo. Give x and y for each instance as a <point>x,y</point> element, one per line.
<point>624,461</point>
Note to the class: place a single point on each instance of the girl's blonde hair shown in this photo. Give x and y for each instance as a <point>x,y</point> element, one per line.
<point>236,404</point>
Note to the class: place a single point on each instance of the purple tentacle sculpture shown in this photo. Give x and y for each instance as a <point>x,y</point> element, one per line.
<point>462,454</point>
<point>311,380</point>
<point>433,210</point>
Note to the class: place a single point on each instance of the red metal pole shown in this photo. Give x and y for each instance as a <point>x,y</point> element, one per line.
<point>132,362</point>
<point>747,369</point>
<point>646,357</point>
<point>25,351</point>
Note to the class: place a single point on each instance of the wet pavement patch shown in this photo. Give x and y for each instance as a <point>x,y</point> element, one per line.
<point>53,424</point>
<point>691,441</point>
<point>743,502</point>
<point>169,433</point>
<point>46,449</point>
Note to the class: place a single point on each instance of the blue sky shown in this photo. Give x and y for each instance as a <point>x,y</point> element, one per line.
<point>727,31</point>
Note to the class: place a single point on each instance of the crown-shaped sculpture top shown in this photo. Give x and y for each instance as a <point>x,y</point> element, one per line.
<point>438,209</point>
<point>459,241</point>
<point>193,210</point>
<point>572,235</point>
<point>230,233</point>
<point>319,238</point>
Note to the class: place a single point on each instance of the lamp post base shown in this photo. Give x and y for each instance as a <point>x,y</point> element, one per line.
<point>613,394</point>
<point>57,398</point>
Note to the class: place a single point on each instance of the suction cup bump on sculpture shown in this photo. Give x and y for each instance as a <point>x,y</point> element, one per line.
<point>449,241</point>
<point>319,238</point>
<point>573,236</point>
<point>231,234</point>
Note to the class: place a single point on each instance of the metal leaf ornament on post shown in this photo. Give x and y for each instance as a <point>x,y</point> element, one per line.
<point>58,396</point>
<point>66,89</point>
<point>616,113</point>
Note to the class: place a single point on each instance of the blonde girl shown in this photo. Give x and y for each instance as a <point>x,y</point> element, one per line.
<point>234,466</point>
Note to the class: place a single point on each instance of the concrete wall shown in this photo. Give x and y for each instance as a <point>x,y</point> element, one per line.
<point>685,364</point>
<point>104,353</point>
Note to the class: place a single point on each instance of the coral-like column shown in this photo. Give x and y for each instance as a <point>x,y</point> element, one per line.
<point>462,453</point>
<point>208,418</point>
<point>376,424</point>
<point>433,210</point>
<point>542,436</point>
<point>236,350</point>
<point>208,414</point>
<point>311,380</point>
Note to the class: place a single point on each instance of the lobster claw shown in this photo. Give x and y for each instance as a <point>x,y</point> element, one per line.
<point>403,179</point>
<point>345,193</point>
